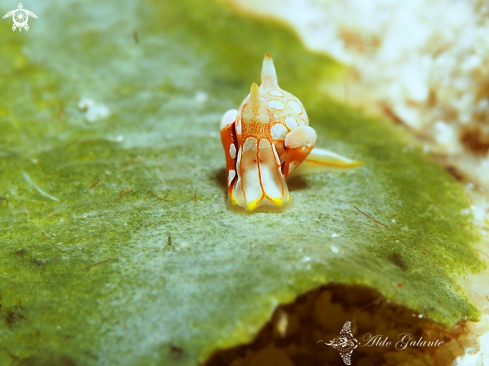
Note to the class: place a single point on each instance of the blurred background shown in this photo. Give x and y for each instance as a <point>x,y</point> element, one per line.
<point>422,63</point>
<point>109,148</point>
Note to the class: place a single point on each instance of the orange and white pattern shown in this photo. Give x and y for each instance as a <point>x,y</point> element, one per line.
<point>265,140</point>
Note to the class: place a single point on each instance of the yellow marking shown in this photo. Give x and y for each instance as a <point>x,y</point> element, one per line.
<point>252,205</point>
<point>233,200</point>
<point>340,165</point>
<point>278,201</point>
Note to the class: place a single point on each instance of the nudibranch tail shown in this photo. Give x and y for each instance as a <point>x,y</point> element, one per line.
<point>268,73</point>
<point>322,160</point>
<point>260,180</point>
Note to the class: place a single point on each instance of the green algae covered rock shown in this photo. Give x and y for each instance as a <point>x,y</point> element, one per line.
<point>116,246</point>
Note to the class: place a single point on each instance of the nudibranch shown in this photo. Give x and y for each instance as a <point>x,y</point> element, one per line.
<point>265,140</point>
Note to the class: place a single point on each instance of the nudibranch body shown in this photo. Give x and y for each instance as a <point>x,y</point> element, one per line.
<point>264,141</point>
